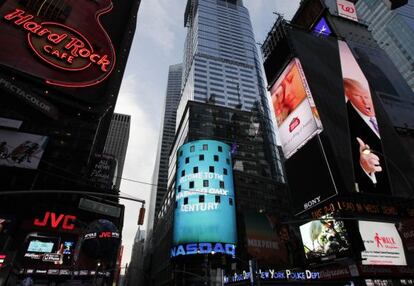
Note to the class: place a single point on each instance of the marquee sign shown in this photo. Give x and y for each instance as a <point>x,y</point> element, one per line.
<point>78,53</point>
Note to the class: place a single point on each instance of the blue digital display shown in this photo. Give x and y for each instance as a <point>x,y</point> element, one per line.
<point>204,218</point>
<point>322,28</point>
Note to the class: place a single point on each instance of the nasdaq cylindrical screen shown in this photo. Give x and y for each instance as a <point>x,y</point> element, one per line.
<point>204,217</point>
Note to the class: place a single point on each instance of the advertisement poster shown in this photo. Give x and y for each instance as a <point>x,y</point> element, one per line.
<point>369,165</point>
<point>22,150</point>
<point>296,115</point>
<point>324,238</point>
<point>103,172</point>
<point>383,244</point>
<point>205,214</point>
<point>347,10</point>
<point>264,241</point>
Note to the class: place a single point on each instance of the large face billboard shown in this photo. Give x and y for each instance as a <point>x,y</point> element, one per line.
<point>369,167</point>
<point>60,42</point>
<point>383,244</point>
<point>296,115</point>
<point>204,217</point>
<point>324,238</point>
<point>22,150</point>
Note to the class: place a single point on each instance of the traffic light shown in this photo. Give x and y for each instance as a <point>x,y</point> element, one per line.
<point>141,216</point>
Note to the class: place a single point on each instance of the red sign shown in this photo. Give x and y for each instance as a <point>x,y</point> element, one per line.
<point>78,53</point>
<point>51,219</point>
<point>2,259</point>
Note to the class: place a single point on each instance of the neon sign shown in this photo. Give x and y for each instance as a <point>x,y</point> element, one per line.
<point>203,248</point>
<point>272,274</point>
<point>51,219</point>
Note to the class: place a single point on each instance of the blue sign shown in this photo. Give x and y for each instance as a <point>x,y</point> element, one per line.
<point>322,28</point>
<point>204,217</point>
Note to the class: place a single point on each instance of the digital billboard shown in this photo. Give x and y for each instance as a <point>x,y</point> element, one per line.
<point>347,10</point>
<point>322,28</point>
<point>324,238</point>
<point>369,168</point>
<point>22,150</point>
<point>383,244</point>
<point>204,216</point>
<point>295,112</point>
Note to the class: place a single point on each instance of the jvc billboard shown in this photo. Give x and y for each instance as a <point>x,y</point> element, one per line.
<point>205,219</point>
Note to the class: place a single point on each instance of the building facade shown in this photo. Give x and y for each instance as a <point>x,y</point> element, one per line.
<point>117,142</point>
<point>394,32</point>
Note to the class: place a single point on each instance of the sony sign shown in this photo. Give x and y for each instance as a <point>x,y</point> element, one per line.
<point>312,202</point>
<point>203,248</point>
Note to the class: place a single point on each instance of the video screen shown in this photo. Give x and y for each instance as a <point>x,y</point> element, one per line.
<point>40,246</point>
<point>324,238</point>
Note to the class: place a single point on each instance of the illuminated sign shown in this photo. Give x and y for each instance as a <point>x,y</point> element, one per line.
<point>2,259</point>
<point>347,10</point>
<point>66,222</point>
<point>296,115</point>
<point>66,48</point>
<point>205,202</point>
<point>103,234</point>
<point>204,248</point>
<point>52,257</point>
<point>322,28</point>
<point>272,274</point>
<point>383,244</point>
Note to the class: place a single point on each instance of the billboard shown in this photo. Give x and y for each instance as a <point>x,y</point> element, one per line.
<point>347,10</point>
<point>78,53</point>
<point>204,216</point>
<point>103,172</point>
<point>22,150</point>
<point>322,28</point>
<point>324,239</point>
<point>296,115</point>
<point>369,168</point>
<point>383,244</point>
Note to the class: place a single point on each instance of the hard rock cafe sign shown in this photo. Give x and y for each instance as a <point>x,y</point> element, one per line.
<point>70,57</point>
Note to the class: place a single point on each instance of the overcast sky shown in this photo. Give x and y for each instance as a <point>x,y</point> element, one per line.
<point>158,43</point>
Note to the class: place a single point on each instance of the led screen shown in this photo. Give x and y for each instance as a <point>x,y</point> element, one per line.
<point>21,150</point>
<point>324,238</point>
<point>40,246</point>
<point>383,244</point>
<point>204,218</point>
<point>322,28</point>
<point>369,167</point>
<point>296,115</point>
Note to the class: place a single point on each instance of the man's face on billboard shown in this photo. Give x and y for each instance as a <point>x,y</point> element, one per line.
<point>359,97</point>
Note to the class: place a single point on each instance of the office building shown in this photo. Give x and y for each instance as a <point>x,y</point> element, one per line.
<point>54,119</point>
<point>117,142</point>
<point>394,32</point>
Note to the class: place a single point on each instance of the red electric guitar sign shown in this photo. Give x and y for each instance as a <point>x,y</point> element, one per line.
<point>59,41</point>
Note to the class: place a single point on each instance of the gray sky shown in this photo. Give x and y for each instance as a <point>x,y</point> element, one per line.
<point>158,43</point>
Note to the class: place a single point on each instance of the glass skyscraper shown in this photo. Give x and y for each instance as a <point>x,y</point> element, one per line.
<point>394,32</point>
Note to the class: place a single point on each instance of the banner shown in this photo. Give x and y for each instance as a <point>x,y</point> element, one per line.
<point>347,10</point>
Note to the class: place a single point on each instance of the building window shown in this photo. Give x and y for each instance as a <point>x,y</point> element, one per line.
<point>205,147</point>
<point>191,184</point>
<point>186,201</point>
<point>187,160</point>
<point>222,184</point>
<point>182,173</point>
<point>181,153</point>
<point>205,183</point>
<point>201,157</point>
<point>218,199</point>
<point>224,171</point>
<point>216,158</point>
<point>179,188</point>
<point>230,201</point>
<point>228,161</point>
<point>176,204</point>
<point>201,199</point>
<point>220,149</point>
<point>192,148</point>
<point>211,169</point>
<point>195,170</point>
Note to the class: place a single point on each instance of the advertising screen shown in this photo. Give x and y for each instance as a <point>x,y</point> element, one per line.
<point>322,28</point>
<point>40,246</point>
<point>369,168</point>
<point>204,217</point>
<point>324,238</point>
<point>347,10</point>
<point>383,244</point>
<point>296,115</point>
<point>22,150</point>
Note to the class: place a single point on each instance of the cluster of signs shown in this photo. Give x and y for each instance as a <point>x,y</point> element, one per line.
<point>64,272</point>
